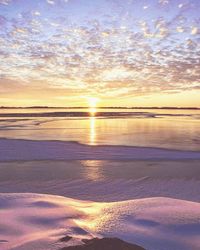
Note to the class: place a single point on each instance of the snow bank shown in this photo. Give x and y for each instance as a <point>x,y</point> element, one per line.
<point>13,149</point>
<point>33,221</point>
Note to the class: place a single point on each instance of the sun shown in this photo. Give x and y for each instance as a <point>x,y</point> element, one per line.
<point>92,104</point>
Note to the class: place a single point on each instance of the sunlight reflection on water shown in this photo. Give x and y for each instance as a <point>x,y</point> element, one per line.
<point>165,131</point>
<point>93,170</point>
<point>92,130</point>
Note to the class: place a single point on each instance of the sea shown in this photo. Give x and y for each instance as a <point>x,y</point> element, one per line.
<point>160,128</point>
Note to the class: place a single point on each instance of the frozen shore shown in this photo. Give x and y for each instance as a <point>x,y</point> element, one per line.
<point>14,150</point>
<point>140,181</point>
<point>36,221</point>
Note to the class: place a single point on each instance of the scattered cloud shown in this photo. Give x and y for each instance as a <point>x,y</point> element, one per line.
<point>194,30</point>
<point>98,53</point>
<point>50,2</point>
<point>5,2</point>
<point>163,2</point>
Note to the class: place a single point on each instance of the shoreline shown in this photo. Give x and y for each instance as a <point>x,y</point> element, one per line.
<point>29,150</point>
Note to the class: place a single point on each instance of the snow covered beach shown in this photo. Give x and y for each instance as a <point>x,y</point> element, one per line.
<point>33,221</point>
<point>15,150</point>
<point>146,218</point>
<point>54,186</point>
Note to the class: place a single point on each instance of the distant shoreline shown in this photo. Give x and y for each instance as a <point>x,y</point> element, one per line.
<point>86,114</point>
<point>48,107</point>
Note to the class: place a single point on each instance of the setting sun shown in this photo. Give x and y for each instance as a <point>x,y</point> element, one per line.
<point>92,102</point>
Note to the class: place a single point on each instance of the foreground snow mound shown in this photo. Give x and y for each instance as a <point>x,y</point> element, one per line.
<point>33,221</point>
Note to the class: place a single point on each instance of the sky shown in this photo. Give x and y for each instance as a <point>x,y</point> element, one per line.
<point>115,52</point>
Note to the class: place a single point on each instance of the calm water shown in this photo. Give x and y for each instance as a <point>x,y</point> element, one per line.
<point>178,129</point>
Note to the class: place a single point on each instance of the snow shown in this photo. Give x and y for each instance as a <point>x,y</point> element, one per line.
<point>38,221</point>
<point>13,149</point>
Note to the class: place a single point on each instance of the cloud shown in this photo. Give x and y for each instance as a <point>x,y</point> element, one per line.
<point>194,30</point>
<point>101,55</point>
<point>5,2</point>
<point>50,2</point>
<point>3,21</point>
<point>163,2</point>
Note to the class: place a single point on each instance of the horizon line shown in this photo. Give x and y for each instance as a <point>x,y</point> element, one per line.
<point>87,107</point>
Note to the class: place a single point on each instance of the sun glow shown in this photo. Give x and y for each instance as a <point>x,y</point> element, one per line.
<point>92,103</point>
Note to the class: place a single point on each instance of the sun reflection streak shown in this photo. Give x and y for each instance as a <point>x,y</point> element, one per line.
<point>92,103</point>
<point>93,170</point>
<point>92,138</point>
<point>92,111</point>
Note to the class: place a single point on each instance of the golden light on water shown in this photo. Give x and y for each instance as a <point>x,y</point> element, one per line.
<point>92,130</point>
<point>92,105</point>
<point>93,170</point>
<point>93,111</point>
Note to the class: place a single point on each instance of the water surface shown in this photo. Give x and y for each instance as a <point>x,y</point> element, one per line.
<point>175,129</point>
